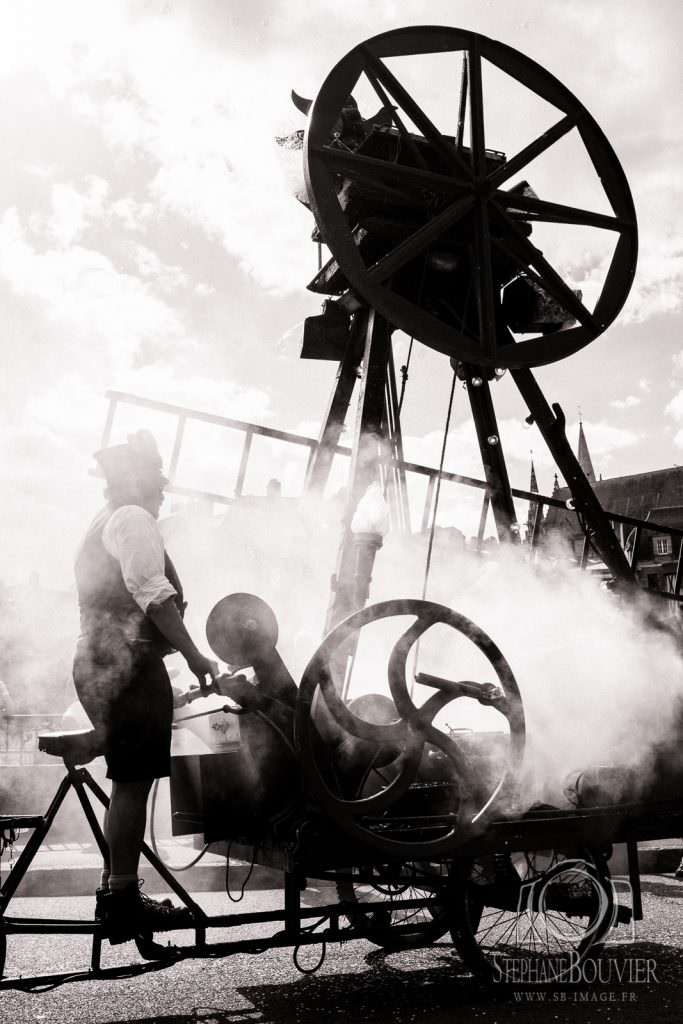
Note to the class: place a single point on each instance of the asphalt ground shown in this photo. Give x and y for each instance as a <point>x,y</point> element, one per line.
<point>357,982</point>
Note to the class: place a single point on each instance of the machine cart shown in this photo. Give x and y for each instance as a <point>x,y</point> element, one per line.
<point>402,822</point>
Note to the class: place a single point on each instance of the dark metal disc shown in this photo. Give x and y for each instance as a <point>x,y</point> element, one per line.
<point>240,627</point>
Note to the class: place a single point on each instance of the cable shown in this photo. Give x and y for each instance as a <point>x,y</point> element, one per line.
<point>432,530</point>
<point>153,839</point>
<point>237,899</point>
<point>323,949</point>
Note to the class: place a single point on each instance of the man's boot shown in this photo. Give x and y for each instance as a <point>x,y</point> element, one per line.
<point>127,913</point>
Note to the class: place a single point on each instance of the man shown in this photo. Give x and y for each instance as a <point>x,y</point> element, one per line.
<point>131,605</point>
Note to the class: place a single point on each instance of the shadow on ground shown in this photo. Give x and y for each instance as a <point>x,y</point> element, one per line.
<point>402,989</point>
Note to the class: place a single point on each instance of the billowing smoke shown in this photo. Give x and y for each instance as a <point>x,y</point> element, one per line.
<point>598,686</point>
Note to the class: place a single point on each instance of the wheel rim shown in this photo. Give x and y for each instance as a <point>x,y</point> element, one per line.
<point>470,194</point>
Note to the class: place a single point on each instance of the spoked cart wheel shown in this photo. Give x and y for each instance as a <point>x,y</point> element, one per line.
<point>381,886</point>
<point>531,917</point>
<point>430,228</point>
<point>425,800</point>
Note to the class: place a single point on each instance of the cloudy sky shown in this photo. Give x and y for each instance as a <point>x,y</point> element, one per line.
<point>149,241</point>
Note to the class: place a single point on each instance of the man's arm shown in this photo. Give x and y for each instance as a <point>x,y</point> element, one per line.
<point>166,618</point>
<point>132,537</point>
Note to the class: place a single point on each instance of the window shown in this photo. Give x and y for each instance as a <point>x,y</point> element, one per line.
<point>662,545</point>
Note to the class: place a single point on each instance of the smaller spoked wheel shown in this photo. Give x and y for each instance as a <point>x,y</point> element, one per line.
<point>391,925</point>
<point>531,918</point>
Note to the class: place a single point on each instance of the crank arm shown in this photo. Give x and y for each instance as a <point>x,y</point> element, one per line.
<point>487,694</point>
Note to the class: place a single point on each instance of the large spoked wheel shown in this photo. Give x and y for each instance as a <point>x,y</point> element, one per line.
<point>391,927</point>
<point>531,917</point>
<point>425,800</point>
<point>427,205</point>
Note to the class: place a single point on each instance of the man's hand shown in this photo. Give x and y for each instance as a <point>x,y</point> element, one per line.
<point>167,619</point>
<point>202,667</point>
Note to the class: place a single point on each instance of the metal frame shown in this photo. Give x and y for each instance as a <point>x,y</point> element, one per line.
<point>553,425</point>
<point>601,825</point>
<point>293,916</point>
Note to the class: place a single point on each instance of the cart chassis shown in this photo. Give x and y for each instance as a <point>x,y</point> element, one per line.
<point>548,828</point>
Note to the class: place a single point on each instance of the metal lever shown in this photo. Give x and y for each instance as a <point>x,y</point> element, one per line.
<point>215,688</point>
<point>487,694</point>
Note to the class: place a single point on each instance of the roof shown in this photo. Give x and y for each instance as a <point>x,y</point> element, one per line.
<point>635,495</point>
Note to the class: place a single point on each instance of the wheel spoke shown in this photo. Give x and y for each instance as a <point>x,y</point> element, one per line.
<point>483,933</point>
<point>525,255</point>
<point>477,113</point>
<point>556,213</point>
<point>403,131</point>
<point>485,291</point>
<point>414,112</point>
<point>565,921</point>
<point>400,174</point>
<point>482,245</point>
<point>533,150</point>
<point>419,240</point>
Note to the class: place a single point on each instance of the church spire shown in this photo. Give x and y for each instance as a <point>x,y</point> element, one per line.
<point>584,456</point>
<point>534,508</point>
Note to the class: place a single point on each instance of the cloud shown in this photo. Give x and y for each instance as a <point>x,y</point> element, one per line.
<point>603,439</point>
<point>72,211</point>
<point>46,458</point>
<point>630,402</point>
<point>180,89</point>
<point>674,409</point>
<point>98,313</point>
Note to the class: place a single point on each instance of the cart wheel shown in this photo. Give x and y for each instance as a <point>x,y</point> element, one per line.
<point>531,917</point>
<point>420,926</point>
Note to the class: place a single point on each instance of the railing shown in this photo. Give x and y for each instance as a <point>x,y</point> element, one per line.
<point>250,430</point>
<point>19,738</point>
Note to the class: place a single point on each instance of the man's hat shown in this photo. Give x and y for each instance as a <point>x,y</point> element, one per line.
<point>133,462</point>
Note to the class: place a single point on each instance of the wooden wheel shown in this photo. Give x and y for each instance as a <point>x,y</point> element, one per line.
<point>430,232</point>
<point>426,800</point>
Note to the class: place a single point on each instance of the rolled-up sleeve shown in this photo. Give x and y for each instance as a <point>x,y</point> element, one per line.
<point>132,537</point>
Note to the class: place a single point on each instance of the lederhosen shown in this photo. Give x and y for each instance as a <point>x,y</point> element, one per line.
<point>119,673</point>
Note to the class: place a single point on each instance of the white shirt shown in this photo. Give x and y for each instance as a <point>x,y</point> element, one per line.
<point>132,536</point>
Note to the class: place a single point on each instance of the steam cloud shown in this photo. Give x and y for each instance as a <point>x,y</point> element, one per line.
<point>598,687</point>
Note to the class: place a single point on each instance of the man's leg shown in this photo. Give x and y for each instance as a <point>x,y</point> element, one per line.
<point>127,912</point>
<point>125,827</point>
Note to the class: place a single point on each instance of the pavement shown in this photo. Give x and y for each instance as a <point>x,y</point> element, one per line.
<point>637,980</point>
<point>73,869</point>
